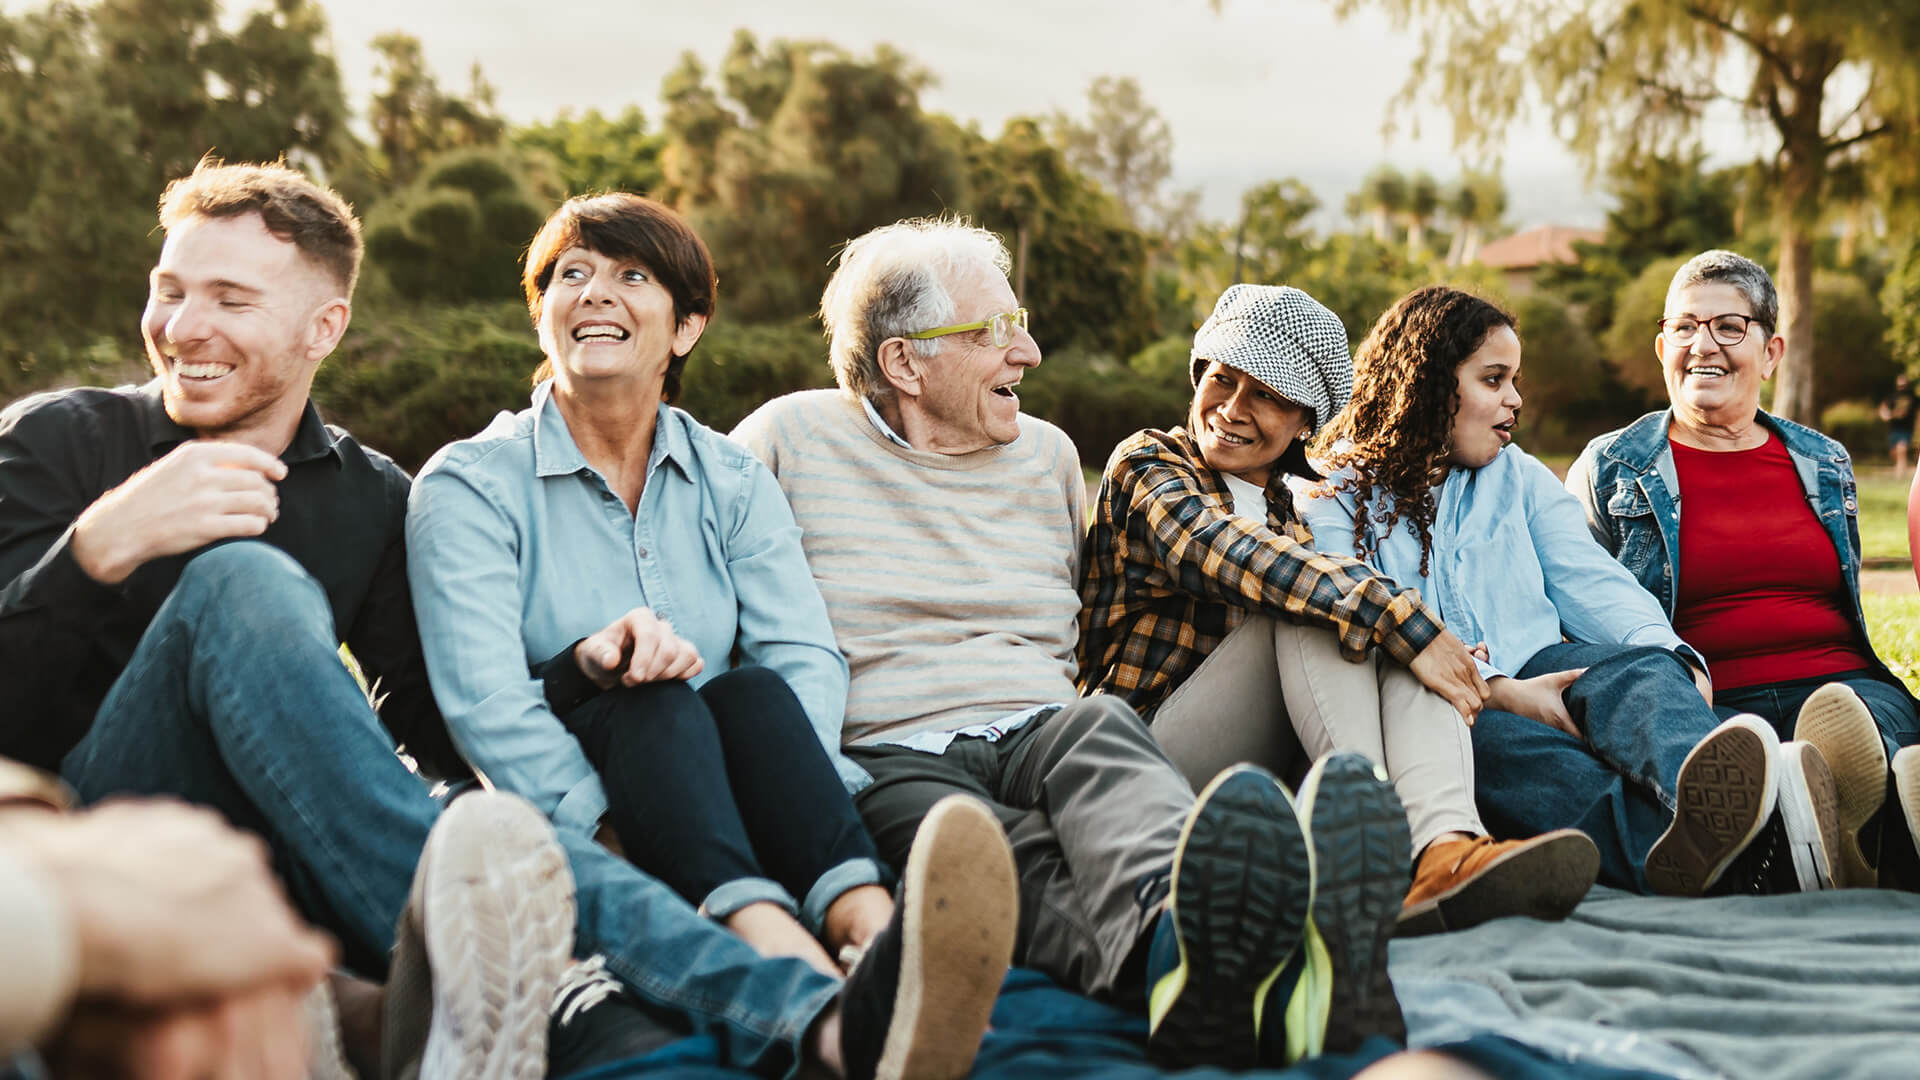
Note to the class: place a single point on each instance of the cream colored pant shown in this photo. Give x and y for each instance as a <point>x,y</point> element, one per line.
<point>1272,690</point>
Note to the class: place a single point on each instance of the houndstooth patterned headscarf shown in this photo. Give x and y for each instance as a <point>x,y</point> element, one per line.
<point>1286,339</point>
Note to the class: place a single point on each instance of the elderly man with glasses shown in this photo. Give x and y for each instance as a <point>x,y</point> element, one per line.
<point>944,530</point>
<point>1761,573</point>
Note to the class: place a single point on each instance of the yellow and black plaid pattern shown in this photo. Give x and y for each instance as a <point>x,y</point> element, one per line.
<point>1170,570</point>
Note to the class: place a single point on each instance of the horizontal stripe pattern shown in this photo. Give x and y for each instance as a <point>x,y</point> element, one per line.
<point>950,579</point>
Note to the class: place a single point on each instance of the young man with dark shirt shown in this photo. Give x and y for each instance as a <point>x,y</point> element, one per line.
<point>178,565</point>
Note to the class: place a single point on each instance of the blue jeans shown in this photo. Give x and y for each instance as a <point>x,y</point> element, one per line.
<point>1779,704</point>
<point>1641,715</point>
<point>235,699</point>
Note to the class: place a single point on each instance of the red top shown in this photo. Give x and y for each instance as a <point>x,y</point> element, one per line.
<point>1760,592</point>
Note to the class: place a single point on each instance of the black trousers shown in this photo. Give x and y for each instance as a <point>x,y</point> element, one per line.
<point>721,785</point>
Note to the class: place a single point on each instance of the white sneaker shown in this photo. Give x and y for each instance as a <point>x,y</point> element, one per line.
<point>481,946</point>
<point>326,1060</point>
<point>1809,812</point>
<point>1840,725</point>
<point>1726,792</point>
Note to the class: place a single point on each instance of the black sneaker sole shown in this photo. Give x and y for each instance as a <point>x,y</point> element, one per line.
<point>1242,886</point>
<point>1726,792</point>
<point>1362,863</point>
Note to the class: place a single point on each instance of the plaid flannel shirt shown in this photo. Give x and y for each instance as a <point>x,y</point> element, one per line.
<point>1170,570</point>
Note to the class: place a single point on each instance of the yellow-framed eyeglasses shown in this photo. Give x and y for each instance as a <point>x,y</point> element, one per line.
<point>1000,324</point>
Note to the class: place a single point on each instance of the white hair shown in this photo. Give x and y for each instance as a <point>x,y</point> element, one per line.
<point>894,281</point>
<point>1747,277</point>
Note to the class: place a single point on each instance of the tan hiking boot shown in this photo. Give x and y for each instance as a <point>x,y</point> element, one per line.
<point>1468,881</point>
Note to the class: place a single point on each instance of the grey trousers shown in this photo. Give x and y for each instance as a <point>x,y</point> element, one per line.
<point>1280,695</point>
<point>1093,810</point>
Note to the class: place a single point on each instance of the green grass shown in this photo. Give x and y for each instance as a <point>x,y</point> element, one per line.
<point>1893,622</point>
<point>1883,514</point>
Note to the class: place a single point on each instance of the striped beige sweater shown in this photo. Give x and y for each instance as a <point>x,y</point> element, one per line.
<point>950,580</point>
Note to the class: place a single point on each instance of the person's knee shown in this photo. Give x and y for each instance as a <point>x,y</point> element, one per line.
<point>1647,662</point>
<point>755,687</point>
<point>251,581</point>
<point>248,563</point>
<point>652,698</point>
<point>247,573</point>
<point>1103,712</point>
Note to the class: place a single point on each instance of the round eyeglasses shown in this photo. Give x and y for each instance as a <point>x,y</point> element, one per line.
<point>1729,329</point>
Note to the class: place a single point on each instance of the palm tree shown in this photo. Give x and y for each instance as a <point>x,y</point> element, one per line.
<point>1423,202</point>
<point>1384,194</point>
<point>1476,204</point>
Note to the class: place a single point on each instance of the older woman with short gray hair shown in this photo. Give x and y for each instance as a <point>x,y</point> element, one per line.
<point>1762,572</point>
<point>1208,609</point>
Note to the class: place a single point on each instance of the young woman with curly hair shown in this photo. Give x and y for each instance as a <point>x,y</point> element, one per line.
<point>1208,609</point>
<point>1598,716</point>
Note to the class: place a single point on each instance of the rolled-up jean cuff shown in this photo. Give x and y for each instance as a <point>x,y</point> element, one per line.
<point>740,892</point>
<point>827,888</point>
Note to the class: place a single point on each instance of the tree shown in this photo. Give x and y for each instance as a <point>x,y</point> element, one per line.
<point>595,152</point>
<point>1900,299</point>
<point>456,234</point>
<point>1079,264</point>
<point>99,108</point>
<point>1664,205</point>
<point>1274,239</point>
<point>774,185</point>
<point>1828,81</point>
<point>1476,204</point>
<point>413,119</point>
<point>1423,202</point>
<point>1383,198</point>
<point>1125,144</point>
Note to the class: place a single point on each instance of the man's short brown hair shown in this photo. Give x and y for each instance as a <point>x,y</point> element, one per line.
<point>314,219</point>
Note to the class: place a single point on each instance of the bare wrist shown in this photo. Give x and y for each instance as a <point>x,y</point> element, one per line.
<point>94,555</point>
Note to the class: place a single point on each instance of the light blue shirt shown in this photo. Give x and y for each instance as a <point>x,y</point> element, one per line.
<point>1513,563</point>
<point>517,548</point>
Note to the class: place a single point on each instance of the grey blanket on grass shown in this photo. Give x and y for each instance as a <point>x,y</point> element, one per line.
<point>1820,985</point>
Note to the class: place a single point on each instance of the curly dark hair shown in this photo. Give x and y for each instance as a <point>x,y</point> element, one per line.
<point>1398,430</point>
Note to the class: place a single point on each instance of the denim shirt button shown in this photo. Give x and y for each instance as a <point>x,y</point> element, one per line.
<point>1852,506</point>
<point>643,553</point>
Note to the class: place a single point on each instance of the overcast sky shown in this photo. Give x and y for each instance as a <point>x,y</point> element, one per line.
<point>1261,90</point>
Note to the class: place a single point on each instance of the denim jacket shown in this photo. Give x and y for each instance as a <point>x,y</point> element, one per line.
<point>1627,482</point>
<point>1512,563</point>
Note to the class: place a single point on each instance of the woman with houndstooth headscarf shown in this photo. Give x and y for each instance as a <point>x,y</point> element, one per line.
<point>1211,612</point>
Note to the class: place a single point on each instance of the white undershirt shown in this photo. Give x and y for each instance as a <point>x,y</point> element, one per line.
<point>1249,501</point>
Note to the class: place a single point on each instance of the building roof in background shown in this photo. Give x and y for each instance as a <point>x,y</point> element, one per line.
<point>1537,246</point>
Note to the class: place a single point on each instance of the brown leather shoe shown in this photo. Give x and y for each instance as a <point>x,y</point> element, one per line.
<point>1462,883</point>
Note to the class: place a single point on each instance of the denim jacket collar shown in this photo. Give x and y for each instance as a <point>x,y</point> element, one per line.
<point>556,454</point>
<point>1642,447</point>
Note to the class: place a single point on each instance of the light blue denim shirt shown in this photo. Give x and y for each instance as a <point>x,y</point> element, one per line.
<point>516,548</point>
<point>1513,564</point>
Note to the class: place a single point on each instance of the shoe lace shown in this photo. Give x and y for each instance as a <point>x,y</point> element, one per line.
<point>583,985</point>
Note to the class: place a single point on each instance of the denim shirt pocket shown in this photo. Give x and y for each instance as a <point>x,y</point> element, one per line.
<point>1631,513</point>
